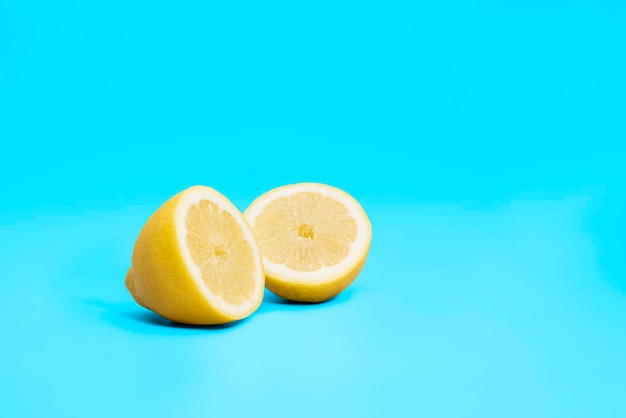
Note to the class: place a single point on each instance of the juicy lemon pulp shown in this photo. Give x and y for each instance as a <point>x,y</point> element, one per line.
<point>305,231</point>
<point>218,247</point>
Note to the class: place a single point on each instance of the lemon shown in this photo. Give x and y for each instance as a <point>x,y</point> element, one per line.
<point>195,261</point>
<point>314,240</point>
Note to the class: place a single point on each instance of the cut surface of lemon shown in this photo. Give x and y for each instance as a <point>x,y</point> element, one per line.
<point>195,261</point>
<point>314,240</point>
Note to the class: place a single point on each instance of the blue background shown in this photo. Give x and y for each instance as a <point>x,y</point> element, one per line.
<point>484,139</point>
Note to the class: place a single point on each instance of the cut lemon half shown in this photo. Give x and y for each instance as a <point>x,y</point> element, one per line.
<point>195,261</point>
<point>313,238</point>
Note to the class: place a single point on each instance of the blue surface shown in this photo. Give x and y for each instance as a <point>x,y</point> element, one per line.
<point>485,140</point>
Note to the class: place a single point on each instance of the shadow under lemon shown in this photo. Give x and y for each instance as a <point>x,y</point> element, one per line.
<point>132,316</point>
<point>272,302</point>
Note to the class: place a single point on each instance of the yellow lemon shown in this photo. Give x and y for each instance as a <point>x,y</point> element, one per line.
<point>195,261</point>
<point>313,238</point>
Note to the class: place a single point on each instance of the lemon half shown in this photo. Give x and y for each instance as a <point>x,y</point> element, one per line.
<point>195,261</point>
<point>314,240</point>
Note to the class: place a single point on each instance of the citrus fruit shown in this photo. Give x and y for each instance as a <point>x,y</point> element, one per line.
<point>313,239</point>
<point>195,261</point>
